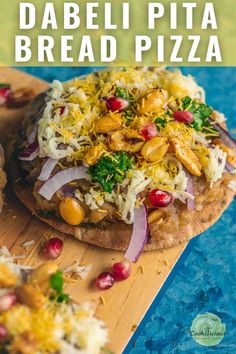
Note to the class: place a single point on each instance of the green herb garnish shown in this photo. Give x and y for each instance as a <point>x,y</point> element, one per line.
<point>120,92</point>
<point>160,122</point>
<point>201,113</point>
<point>110,170</point>
<point>128,113</point>
<point>56,283</point>
<point>3,85</point>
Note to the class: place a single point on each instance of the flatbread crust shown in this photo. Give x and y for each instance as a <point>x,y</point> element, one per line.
<point>116,235</point>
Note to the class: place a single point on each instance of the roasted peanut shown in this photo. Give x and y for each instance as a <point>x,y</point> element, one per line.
<point>7,277</point>
<point>153,101</point>
<point>24,344</point>
<point>30,296</point>
<point>186,156</point>
<point>40,277</point>
<point>93,155</point>
<point>155,215</point>
<point>108,124</point>
<point>71,211</point>
<point>154,149</point>
<point>128,140</point>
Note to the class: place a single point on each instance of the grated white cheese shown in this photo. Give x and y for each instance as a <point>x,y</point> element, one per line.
<point>216,165</point>
<point>56,90</point>
<point>94,198</point>
<point>180,85</point>
<point>82,270</point>
<point>126,201</point>
<point>27,244</point>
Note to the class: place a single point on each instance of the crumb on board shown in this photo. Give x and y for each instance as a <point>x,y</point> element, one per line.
<point>166,262</point>
<point>141,268</point>
<point>134,327</point>
<point>17,180</point>
<point>28,244</point>
<point>158,272</point>
<point>102,300</point>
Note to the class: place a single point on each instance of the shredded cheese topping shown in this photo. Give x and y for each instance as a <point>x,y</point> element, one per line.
<point>67,132</point>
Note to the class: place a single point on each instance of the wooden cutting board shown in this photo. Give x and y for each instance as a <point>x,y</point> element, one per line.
<point>123,306</point>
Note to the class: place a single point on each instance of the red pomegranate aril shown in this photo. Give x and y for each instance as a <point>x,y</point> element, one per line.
<point>7,301</point>
<point>121,270</point>
<point>149,131</point>
<point>159,198</point>
<point>183,116</point>
<point>104,281</point>
<point>62,109</point>
<point>53,248</point>
<point>3,333</point>
<point>114,103</point>
<point>5,92</point>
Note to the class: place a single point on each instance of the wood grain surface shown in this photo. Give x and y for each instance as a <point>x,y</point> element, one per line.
<point>123,306</point>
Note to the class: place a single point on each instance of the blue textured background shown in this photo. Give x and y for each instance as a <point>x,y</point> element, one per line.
<point>204,279</point>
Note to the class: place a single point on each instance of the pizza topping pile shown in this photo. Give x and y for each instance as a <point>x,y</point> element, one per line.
<point>36,316</point>
<point>108,142</point>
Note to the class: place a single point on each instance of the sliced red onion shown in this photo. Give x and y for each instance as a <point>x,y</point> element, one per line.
<point>47,169</point>
<point>52,185</point>
<point>30,153</point>
<point>190,189</point>
<point>229,167</point>
<point>33,134</point>
<point>139,235</point>
<point>225,136</point>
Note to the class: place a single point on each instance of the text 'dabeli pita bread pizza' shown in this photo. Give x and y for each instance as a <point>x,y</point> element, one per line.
<point>126,158</point>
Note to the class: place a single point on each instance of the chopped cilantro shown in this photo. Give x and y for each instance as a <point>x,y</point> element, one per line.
<point>128,113</point>
<point>3,85</point>
<point>201,113</point>
<point>160,122</point>
<point>56,283</point>
<point>110,170</point>
<point>120,92</point>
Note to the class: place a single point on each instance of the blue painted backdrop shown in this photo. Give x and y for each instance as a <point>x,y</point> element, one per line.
<point>204,280</point>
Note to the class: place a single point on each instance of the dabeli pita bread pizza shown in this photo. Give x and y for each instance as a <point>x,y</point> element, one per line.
<point>36,316</point>
<point>126,158</point>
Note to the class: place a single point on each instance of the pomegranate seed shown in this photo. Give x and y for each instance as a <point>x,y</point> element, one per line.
<point>4,94</point>
<point>116,103</point>
<point>159,198</point>
<point>183,116</point>
<point>121,270</point>
<point>3,333</point>
<point>62,109</point>
<point>53,248</point>
<point>7,301</point>
<point>149,131</point>
<point>104,281</point>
